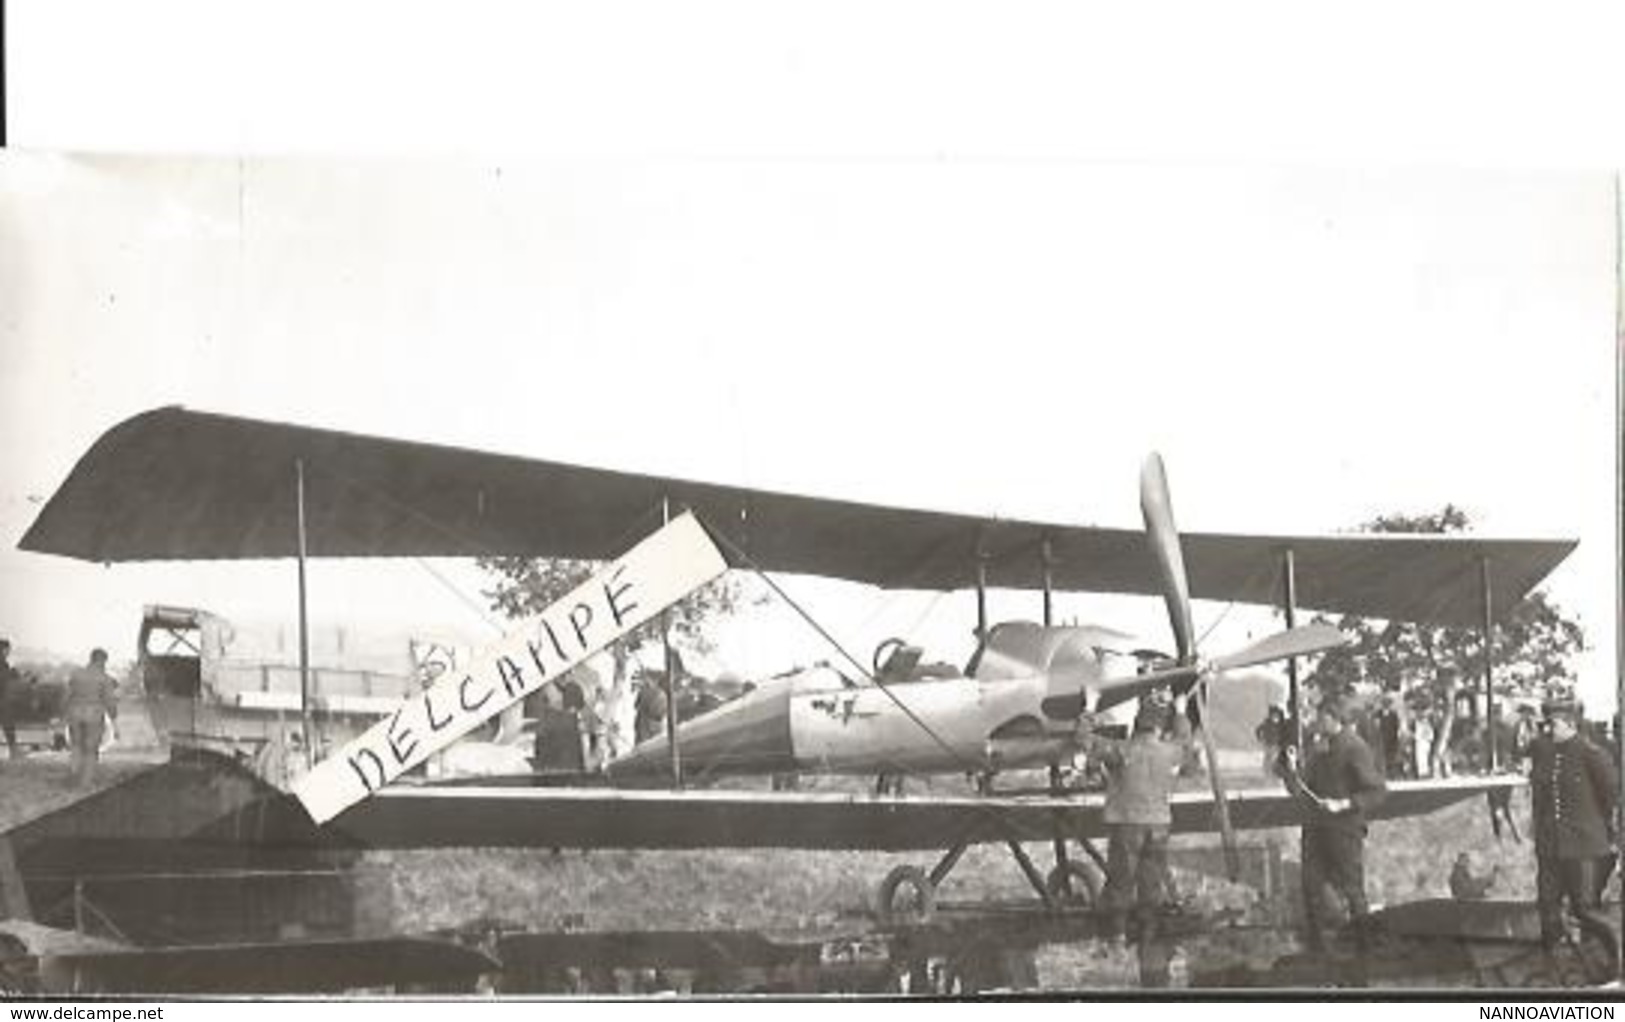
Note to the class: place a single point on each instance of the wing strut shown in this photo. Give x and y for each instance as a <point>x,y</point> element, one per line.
<point>981,597</point>
<point>671,675</point>
<point>1048,554</point>
<point>304,621</point>
<point>1289,605</point>
<point>1489,663</point>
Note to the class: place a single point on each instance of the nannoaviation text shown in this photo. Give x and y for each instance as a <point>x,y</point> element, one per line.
<point>1544,1011</point>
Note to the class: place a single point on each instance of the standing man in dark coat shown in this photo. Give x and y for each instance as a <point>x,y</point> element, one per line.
<point>12,695</point>
<point>558,734</point>
<point>1573,787</point>
<point>650,710</point>
<point>1341,784</point>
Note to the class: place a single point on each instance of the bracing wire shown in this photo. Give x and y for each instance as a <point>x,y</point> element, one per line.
<point>1257,574</point>
<point>456,535</point>
<point>457,592</point>
<point>472,543</point>
<point>835,644</point>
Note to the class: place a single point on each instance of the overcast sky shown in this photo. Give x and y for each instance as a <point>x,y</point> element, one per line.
<point>1307,347</point>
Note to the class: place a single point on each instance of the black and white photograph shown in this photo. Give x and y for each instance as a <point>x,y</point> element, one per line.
<point>745,572</point>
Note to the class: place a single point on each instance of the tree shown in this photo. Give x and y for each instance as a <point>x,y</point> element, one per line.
<point>524,586</point>
<point>1533,645</point>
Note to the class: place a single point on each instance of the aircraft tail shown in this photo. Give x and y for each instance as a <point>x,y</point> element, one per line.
<point>749,735</point>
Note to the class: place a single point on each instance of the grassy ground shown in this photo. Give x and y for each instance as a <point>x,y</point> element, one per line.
<point>1407,860</point>
<point>42,782</point>
<point>800,893</point>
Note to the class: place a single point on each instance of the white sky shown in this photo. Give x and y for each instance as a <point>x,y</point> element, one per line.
<point>1306,348</point>
<point>806,263</point>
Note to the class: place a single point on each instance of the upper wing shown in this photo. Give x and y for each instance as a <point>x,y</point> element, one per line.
<point>178,484</point>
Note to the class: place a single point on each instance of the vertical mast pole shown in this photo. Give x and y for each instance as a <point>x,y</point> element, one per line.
<point>305,727</point>
<point>1063,871</point>
<point>1489,661</point>
<point>1289,604</point>
<point>1619,521</point>
<point>671,675</point>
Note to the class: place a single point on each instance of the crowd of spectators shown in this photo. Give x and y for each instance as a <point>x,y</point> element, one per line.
<point>1404,735</point>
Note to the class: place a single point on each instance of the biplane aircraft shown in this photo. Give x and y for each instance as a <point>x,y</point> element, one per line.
<point>175,484</point>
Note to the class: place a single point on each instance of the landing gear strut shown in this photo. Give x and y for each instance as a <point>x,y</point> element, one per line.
<point>908,894</point>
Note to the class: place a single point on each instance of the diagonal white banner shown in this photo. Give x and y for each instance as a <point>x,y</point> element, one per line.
<point>656,573</point>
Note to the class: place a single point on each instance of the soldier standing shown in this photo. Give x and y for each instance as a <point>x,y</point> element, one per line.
<point>650,713</point>
<point>1573,788</point>
<point>1140,777</point>
<point>1341,784</point>
<point>92,700</point>
<point>11,697</point>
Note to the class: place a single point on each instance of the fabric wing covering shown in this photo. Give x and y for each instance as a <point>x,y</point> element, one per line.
<point>175,484</point>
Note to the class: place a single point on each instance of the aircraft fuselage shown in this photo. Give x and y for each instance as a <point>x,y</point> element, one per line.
<point>818,721</point>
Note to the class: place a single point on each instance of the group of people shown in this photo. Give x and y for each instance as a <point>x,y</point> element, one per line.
<point>581,727</point>
<point>91,700</point>
<point>1403,738</point>
<point>1339,779</point>
<point>1573,783</point>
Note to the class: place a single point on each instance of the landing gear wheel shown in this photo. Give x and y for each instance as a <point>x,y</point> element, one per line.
<point>906,896</point>
<point>1073,884</point>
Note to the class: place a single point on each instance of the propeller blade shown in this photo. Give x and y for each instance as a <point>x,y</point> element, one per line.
<point>1121,690</point>
<point>1301,641</point>
<point>1304,640</point>
<point>1221,804</point>
<point>1156,507</point>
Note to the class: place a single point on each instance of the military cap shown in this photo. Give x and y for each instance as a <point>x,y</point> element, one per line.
<point>1560,706</point>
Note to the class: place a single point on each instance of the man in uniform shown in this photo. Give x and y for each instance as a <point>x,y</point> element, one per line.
<point>11,697</point>
<point>559,747</point>
<point>1340,785</point>
<point>1140,777</point>
<point>1572,787</point>
<point>92,700</point>
<point>650,709</point>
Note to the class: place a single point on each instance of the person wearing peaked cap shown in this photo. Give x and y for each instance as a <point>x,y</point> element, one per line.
<point>1572,789</point>
<point>1338,787</point>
